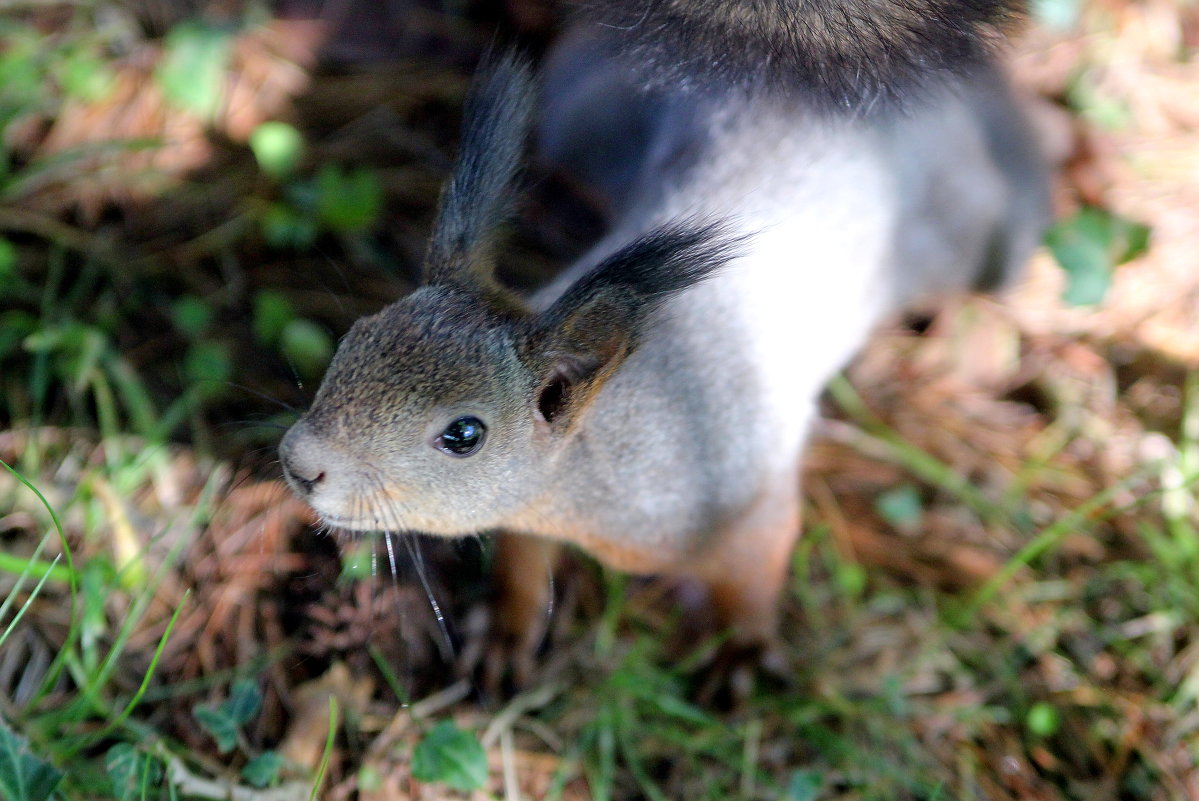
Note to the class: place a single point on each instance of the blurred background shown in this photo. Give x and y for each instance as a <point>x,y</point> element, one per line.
<point>996,596</point>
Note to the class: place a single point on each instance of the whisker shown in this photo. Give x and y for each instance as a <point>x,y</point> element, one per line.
<point>265,397</point>
<point>389,543</point>
<point>394,516</point>
<point>374,554</point>
<point>418,560</point>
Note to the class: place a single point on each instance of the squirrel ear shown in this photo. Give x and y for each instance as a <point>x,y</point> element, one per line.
<point>579,355</point>
<point>577,343</point>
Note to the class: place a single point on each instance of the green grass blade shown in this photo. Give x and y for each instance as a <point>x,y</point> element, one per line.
<point>330,739</point>
<point>60,661</point>
<point>25,606</point>
<point>145,685</point>
<point>28,567</point>
<point>1052,535</point>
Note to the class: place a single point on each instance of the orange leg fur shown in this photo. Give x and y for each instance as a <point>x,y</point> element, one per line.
<point>746,571</point>
<point>522,575</point>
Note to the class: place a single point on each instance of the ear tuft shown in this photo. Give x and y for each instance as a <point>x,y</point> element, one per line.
<point>652,268</point>
<point>478,198</point>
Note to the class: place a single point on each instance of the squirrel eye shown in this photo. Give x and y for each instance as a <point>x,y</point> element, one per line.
<point>462,437</point>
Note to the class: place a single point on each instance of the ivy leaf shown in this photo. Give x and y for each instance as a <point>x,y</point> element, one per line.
<point>308,346</point>
<point>347,201</point>
<point>901,507</point>
<point>263,770</point>
<point>217,722</point>
<point>24,777</point>
<point>131,771</point>
<point>272,312</point>
<point>451,756</point>
<point>805,785</point>
<point>245,699</point>
<point>225,721</point>
<point>285,227</point>
<point>1089,246</point>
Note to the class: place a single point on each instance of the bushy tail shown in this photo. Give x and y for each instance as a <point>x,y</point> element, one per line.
<point>845,52</point>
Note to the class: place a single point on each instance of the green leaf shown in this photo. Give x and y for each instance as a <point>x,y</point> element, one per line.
<point>1060,15</point>
<point>84,75</point>
<point>22,72</point>
<point>95,584</point>
<point>347,201</point>
<point>217,722</point>
<point>278,148</point>
<point>804,785</point>
<point>308,346</point>
<point>263,770</point>
<point>369,780</point>
<point>225,721</point>
<point>1089,246</point>
<point>851,578</point>
<point>1132,239</point>
<point>15,327</point>
<point>451,756</point>
<point>901,507</point>
<point>23,777</point>
<point>8,261</point>
<point>284,227</point>
<point>1043,719</point>
<point>131,772</point>
<point>358,560</point>
<point>245,699</point>
<point>209,363</point>
<point>1096,105</point>
<point>192,316</point>
<point>192,70</point>
<point>272,312</point>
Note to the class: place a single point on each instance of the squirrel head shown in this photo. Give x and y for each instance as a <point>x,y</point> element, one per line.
<point>448,410</point>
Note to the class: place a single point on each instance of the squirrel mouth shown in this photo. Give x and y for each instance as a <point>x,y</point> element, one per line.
<point>362,523</point>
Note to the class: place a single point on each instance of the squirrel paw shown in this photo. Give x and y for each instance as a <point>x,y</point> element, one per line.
<point>730,677</point>
<point>498,662</point>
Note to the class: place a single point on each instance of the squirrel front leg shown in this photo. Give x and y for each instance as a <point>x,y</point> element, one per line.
<point>745,573</point>
<point>749,562</point>
<point>522,576</point>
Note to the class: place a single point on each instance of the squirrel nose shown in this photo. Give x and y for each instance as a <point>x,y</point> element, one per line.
<point>300,461</point>
<point>305,485</point>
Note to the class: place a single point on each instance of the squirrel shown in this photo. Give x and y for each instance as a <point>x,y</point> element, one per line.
<point>780,176</point>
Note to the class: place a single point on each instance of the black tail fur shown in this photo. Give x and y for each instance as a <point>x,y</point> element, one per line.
<point>849,53</point>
